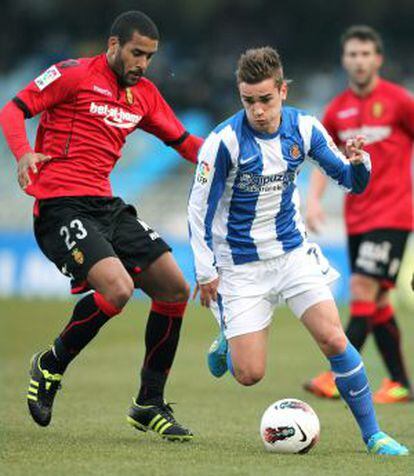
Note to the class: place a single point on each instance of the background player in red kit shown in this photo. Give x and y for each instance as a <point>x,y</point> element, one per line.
<point>379,220</point>
<point>88,108</point>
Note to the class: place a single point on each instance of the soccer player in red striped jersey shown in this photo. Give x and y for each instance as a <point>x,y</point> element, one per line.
<point>89,106</point>
<point>379,220</point>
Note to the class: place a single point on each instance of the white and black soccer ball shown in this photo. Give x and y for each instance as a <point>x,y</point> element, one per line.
<point>289,426</point>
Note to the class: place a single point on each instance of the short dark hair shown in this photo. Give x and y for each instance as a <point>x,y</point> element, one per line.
<point>127,23</point>
<point>258,64</point>
<point>363,33</point>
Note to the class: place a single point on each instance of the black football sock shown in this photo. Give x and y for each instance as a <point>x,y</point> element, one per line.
<point>161,341</point>
<point>360,323</point>
<point>388,340</point>
<point>89,315</point>
<point>358,330</point>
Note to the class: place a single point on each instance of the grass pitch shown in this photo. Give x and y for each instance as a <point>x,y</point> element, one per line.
<point>89,434</point>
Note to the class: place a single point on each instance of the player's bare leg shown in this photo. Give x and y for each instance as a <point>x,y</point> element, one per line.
<point>163,280</point>
<point>111,279</point>
<point>323,323</point>
<point>113,287</point>
<point>164,283</point>
<point>247,356</point>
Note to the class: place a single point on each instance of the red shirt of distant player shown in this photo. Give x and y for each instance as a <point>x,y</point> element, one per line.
<point>87,117</point>
<point>386,118</point>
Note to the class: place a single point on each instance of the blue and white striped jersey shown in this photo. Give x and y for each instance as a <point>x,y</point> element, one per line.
<point>244,203</point>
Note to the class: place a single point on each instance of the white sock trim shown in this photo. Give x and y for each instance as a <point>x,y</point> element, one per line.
<point>351,372</point>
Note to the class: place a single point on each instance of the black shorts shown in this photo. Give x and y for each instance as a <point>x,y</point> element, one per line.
<point>77,232</point>
<point>378,253</point>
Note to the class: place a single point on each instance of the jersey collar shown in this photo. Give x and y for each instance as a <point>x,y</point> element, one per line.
<point>370,94</point>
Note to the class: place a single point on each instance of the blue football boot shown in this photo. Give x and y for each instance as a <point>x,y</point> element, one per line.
<point>382,444</point>
<point>217,356</point>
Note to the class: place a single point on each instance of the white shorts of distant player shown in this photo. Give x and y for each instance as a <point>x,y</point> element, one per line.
<point>249,293</point>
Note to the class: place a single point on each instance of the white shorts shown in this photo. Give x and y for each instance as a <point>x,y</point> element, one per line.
<point>249,293</point>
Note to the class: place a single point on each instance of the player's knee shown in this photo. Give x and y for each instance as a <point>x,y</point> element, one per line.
<point>249,376</point>
<point>334,343</point>
<point>185,294</point>
<point>180,293</point>
<point>363,288</point>
<point>383,299</point>
<point>120,291</point>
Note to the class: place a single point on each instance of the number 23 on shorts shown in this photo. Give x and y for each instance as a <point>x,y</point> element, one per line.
<point>76,230</point>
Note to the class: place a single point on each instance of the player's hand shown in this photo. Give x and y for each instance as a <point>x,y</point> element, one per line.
<point>208,292</point>
<point>28,163</point>
<point>354,149</point>
<point>315,215</point>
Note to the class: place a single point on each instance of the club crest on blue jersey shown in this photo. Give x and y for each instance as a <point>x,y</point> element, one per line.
<point>295,152</point>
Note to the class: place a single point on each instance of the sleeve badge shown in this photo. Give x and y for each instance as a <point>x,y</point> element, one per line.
<point>47,77</point>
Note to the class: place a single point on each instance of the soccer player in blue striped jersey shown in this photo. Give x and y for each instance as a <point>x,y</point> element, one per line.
<point>249,241</point>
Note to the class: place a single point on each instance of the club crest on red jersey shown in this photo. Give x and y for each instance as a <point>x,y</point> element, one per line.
<point>129,96</point>
<point>377,109</point>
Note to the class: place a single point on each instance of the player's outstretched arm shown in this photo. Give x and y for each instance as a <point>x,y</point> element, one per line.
<point>188,146</point>
<point>352,172</point>
<point>354,150</point>
<point>360,170</point>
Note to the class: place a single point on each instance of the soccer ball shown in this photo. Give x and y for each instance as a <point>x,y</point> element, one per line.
<point>289,426</point>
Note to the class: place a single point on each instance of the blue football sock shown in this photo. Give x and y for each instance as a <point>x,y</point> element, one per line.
<point>229,363</point>
<point>352,382</point>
